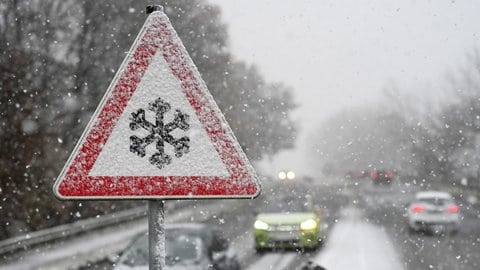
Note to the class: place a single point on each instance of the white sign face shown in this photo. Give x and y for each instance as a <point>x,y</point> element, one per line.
<point>157,132</point>
<point>116,159</point>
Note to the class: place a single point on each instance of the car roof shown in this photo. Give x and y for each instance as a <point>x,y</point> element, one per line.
<point>188,226</point>
<point>195,228</point>
<point>205,231</point>
<point>433,194</point>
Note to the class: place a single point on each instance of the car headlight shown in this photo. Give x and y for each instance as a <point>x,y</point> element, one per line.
<point>260,225</point>
<point>308,224</point>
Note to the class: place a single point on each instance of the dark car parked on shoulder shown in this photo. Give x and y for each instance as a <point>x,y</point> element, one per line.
<point>188,246</point>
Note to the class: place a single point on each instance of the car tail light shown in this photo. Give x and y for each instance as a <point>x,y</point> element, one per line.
<point>418,208</point>
<point>452,209</point>
<point>374,175</point>
<point>389,174</point>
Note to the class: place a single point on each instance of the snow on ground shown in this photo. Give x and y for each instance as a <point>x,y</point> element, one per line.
<point>273,261</point>
<point>72,253</point>
<point>355,244</point>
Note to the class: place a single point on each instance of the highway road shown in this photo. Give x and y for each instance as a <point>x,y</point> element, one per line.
<point>366,229</point>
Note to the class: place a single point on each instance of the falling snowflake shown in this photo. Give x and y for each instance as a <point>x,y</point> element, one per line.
<point>160,133</point>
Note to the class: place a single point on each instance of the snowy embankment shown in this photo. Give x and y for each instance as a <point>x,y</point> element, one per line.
<point>356,244</point>
<point>96,245</point>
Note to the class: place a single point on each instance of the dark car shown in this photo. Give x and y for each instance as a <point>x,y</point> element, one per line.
<point>188,246</point>
<point>381,177</point>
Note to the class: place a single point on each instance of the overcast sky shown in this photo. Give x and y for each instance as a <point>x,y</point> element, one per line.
<point>339,53</point>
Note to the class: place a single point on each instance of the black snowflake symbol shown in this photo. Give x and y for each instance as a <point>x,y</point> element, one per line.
<point>159,132</point>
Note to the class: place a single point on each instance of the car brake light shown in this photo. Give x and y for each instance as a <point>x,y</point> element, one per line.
<point>418,208</point>
<point>374,175</point>
<point>452,209</point>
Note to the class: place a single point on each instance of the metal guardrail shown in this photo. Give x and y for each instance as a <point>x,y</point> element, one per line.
<point>25,241</point>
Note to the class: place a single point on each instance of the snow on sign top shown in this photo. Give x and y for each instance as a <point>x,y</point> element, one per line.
<point>157,133</point>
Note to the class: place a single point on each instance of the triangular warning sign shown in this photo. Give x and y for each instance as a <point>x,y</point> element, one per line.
<point>157,133</point>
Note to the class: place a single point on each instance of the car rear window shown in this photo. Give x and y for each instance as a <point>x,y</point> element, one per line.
<point>435,201</point>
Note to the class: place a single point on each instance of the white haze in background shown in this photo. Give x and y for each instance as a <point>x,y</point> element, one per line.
<point>338,54</point>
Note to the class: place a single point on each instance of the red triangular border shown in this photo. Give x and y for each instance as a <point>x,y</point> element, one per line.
<point>74,181</point>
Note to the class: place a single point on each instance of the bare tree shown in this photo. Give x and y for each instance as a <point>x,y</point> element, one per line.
<point>57,60</point>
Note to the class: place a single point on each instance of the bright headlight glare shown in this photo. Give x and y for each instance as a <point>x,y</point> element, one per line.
<point>260,225</point>
<point>308,224</point>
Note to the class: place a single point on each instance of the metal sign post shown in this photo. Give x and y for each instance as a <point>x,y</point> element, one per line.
<point>156,217</point>
<point>156,234</point>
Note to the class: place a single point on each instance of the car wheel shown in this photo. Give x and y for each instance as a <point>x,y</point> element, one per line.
<point>436,229</point>
<point>259,250</point>
<point>235,266</point>
<point>301,249</point>
<point>453,230</point>
<point>411,230</point>
<point>321,243</point>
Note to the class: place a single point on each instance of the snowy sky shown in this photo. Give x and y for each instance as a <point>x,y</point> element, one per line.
<point>339,53</point>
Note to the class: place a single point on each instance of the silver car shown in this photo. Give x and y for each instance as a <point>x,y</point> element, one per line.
<point>433,211</point>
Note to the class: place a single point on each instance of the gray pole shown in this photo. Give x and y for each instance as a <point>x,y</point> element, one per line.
<point>156,217</point>
<point>156,234</point>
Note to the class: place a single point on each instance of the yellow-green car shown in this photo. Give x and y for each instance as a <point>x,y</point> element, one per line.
<point>289,223</point>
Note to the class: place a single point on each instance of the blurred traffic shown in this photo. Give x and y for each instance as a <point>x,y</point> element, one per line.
<point>293,225</point>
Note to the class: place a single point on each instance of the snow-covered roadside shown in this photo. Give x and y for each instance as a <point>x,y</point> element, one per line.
<point>355,244</point>
<point>92,246</point>
<point>273,261</point>
<point>72,253</point>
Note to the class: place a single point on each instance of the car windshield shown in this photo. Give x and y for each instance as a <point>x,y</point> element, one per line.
<point>137,253</point>
<point>435,201</point>
<point>181,249</point>
<point>287,206</point>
